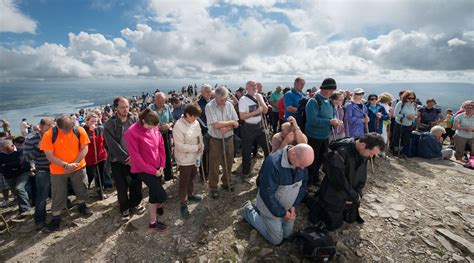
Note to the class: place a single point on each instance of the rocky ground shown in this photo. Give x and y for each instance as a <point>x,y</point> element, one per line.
<point>415,211</point>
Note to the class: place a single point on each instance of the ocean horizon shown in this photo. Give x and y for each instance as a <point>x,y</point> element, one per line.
<point>35,100</point>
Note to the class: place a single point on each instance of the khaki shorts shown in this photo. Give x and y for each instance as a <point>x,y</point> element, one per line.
<point>59,188</point>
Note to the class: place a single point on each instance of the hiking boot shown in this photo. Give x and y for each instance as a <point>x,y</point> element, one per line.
<point>184,211</point>
<point>158,226</point>
<point>214,194</point>
<point>53,226</point>
<point>228,188</point>
<point>195,198</point>
<point>137,210</point>
<point>84,210</point>
<point>125,216</point>
<point>160,211</point>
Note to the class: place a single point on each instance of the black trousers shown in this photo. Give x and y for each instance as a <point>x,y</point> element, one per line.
<point>168,168</point>
<point>93,173</point>
<point>275,119</point>
<point>156,192</point>
<point>320,147</point>
<point>252,133</point>
<point>333,218</point>
<point>129,187</point>
<point>401,136</point>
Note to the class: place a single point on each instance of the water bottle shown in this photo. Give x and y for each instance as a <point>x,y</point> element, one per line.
<point>198,161</point>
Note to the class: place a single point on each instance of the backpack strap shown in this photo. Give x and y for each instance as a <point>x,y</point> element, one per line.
<point>252,98</point>
<point>55,134</point>
<point>74,129</point>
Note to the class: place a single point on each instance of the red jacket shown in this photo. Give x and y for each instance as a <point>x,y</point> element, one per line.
<point>97,142</point>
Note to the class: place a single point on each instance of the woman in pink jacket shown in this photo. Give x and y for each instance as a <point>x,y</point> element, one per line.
<point>147,156</point>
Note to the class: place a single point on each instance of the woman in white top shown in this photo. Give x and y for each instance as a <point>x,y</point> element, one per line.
<point>188,147</point>
<point>405,115</point>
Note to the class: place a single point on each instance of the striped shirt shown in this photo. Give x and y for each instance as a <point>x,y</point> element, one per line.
<point>214,114</point>
<point>33,153</point>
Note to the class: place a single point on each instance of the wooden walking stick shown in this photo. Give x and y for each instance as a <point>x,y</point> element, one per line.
<point>225,163</point>
<point>206,186</point>
<point>98,174</point>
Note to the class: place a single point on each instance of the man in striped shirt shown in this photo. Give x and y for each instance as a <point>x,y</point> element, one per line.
<point>42,173</point>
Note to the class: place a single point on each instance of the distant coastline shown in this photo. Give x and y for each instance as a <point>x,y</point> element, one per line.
<point>36,100</point>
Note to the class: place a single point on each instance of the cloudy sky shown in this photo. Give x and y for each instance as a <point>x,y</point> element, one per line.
<point>353,41</point>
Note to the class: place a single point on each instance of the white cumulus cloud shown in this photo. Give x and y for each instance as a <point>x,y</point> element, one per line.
<point>12,20</point>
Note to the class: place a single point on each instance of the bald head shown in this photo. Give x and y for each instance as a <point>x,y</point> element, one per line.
<point>301,155</point>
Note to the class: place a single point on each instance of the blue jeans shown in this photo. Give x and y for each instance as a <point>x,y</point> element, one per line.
<point>43,185</point>
<point>19,184</point>
<point>272,229</point>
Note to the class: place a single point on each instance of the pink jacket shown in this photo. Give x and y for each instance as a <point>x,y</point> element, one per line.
<point>145,148</point>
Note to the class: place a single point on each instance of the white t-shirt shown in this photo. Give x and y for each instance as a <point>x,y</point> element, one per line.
<point>23,128</point>
<point>247,105</point>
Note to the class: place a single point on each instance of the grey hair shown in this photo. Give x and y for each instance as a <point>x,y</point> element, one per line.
<point>438,128</point>
<point>5,142</point>
<point>221,92</point>
<point>206,86</point>
<point>161,94</point>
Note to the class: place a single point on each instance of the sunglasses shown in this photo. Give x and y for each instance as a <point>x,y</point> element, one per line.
<point>373,99</point>
<point>359,94</point>
<point>411,98</point>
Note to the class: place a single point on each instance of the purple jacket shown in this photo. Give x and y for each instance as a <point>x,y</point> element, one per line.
<point>355,119</point>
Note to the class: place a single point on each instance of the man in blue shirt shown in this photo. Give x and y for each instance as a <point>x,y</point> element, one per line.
<point>292,98</point>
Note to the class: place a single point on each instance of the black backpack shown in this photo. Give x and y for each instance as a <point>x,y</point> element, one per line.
<point>317,244</point>
<point>55,134</point>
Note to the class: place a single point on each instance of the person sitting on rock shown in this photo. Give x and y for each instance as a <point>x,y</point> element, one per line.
<point>290,134</point>
<point>430,145</point>
<point>283,179</point>
<point>345,167</point>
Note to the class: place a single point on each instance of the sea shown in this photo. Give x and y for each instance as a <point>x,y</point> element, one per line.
<point>34,100</point>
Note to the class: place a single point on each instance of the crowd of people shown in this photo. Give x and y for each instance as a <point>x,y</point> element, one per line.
<point>316,144</point>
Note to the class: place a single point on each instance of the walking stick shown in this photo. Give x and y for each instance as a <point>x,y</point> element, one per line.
<point>367,124</point>
<point>265,129</point>
<point>400,137</point>
<point>372,164</point>
<point>225,162</point>
<point>206,187</point>
<point>101,186</point>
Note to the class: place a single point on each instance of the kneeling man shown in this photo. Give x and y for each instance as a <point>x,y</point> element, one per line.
<point>282,186</point>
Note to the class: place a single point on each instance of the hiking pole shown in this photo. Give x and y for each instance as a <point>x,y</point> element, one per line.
<point>371,160</point>
<point>400,137</point>
<point>225,163</point>
<point>367,124</point>
<point>206,187</point>
<point>333,133</point>
<point>265,129</point>
<point>101,186</point>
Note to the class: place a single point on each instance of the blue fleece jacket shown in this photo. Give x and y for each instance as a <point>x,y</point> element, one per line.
<point>318,116</point>
<point>279,185</point>
<point>428,146</point>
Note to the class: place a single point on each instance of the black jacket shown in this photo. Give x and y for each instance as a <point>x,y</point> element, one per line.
<point>14,164</point>
<point>346,175</point>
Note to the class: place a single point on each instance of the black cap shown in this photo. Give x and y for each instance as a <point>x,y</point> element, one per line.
<point>328,83</point>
